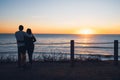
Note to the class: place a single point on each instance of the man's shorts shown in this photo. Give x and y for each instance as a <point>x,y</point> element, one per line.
<point>22,49</point>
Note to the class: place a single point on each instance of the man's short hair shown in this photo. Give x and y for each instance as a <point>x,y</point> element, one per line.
<point>21,27</point>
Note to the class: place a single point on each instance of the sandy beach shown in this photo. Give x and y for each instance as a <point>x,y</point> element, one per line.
<point>104,70</point>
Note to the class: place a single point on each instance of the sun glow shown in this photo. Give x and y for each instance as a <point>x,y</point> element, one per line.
<point>85,31</point>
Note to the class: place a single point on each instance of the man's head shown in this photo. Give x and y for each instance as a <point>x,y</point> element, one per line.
<point>21,27</point>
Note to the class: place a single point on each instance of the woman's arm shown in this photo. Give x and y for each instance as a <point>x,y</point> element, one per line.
<point>34,39</point>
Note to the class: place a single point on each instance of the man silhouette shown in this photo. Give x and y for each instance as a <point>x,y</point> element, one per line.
<point>20,35</point>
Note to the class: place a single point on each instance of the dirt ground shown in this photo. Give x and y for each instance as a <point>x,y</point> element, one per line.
<point>61,71</point>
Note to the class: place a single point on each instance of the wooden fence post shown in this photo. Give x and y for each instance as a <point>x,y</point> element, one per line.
<point>72,52</point>
<point>115,52</point>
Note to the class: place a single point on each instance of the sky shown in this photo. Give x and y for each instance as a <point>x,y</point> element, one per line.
<point>61,16</point>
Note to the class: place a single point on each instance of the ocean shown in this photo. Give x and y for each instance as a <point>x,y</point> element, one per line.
<point>97,44</point>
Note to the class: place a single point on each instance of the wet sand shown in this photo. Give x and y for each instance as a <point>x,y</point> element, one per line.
<point>104,70</point>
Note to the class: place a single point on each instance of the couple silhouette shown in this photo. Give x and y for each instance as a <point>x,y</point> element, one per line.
<point>25,43</point>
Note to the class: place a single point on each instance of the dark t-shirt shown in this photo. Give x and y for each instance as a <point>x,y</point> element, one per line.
<point>29,41</point>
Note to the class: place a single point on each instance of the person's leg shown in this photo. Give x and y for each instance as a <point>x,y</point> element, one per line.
<point>23,56</point>
<point>23,60</point>
<point>30,52</point>
<point>19,57</point>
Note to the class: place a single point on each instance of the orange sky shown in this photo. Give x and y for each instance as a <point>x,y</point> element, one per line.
<point>12,28</point>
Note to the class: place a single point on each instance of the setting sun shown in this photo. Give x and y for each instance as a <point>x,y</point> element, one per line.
<point>85,31</point>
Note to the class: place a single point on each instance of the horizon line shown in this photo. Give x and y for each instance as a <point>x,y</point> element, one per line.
<point>69,33</point>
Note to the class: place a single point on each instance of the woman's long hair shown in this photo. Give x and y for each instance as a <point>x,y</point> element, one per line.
<point>29,31</point>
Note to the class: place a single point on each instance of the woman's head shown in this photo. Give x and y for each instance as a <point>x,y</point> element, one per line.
<point>29,31</point>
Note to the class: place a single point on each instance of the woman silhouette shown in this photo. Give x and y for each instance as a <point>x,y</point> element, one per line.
<point>29,42</point>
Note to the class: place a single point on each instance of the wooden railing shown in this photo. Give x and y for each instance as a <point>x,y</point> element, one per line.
<point>72,46</point>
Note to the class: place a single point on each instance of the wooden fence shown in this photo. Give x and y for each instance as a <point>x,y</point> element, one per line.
<point>72,52</point>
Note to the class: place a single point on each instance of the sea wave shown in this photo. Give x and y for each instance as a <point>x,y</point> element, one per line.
<point>57,43</point>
